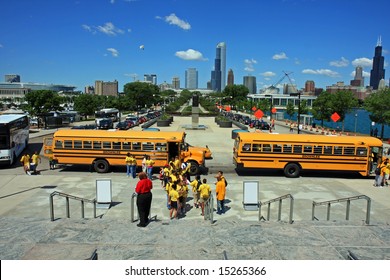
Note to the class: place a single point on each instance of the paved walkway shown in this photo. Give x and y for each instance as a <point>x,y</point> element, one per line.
<point>28,233</point>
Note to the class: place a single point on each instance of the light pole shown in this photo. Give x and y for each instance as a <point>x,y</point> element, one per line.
<point>299,108</point>
<point>355,121</point>
<point>270,109</point>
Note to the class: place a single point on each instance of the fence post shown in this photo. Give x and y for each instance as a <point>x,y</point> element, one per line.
<point>348,209</point>
<point>368,210</point>
<point>67,208</point>
<point>51,208</point>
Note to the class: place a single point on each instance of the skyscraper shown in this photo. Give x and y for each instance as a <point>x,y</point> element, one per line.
<point>151,78</point>
<point>250,83</point>
<point>377,72</point>
<point>176,82</point>
<point>218,75</point>
<point>191,79</point>
<point>230,80</point>
<point>358,81</point>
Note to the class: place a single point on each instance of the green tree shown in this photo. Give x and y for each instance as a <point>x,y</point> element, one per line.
<point>86,104</point>
<point>378,104</point>
<point>42,101</point>
<point>237,93</point>
<point>322,107</point>
<point>290,109</point>
<point>141,95</point>
<point>342,103</point>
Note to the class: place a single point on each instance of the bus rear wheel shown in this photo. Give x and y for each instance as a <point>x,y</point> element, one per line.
<point>101,166</point>
<point>292,170</point>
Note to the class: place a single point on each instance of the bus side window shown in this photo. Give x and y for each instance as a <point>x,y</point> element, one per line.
<point>277,149</point>
<point>58,144</point>
<point>349,151</point>
<point>246,147</point>
<point>77,144</point>
<point>97,144</point>
<point>116,145</point>
<point>126,146</point>
<point>297,149</point>
<point>148,146</point>
<point>136,146</point>
<point>361,151</point>
<point>106,144</point>
<point>308,149</point>
<point>161,147</point>
<point>328,150</point>
<point>68,144</point>
<point>287,148</point>
<point>256,148</point>
<point>338,150</point>
<point>266,148</point>
<point>87,144</point>
<point>318,149</point>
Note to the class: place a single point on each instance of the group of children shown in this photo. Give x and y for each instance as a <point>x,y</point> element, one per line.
<point>30,164</point>
<point>176,182</point>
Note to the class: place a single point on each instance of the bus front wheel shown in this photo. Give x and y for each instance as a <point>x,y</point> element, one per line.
<point>292,170</point>
<point>101,166</point>
<point>194,169</point>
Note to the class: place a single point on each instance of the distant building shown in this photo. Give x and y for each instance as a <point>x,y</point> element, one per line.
<point>106,88</point>
<point>89,90</point>
<point>377,72</point>
<point>218,75</point>
<point>359,92</point>
<point>358,81</point>
<point>151,78</point>
<point>12,78</point>
<point>250,83</point>
<point>176,82</point>
<point>310,86</point>
<point>230,80</point>
<point>191,78</point>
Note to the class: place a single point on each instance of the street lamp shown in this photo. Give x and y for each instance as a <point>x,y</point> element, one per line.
<point>299,108</point>
<point>356,121</point>
<point>270,110</point>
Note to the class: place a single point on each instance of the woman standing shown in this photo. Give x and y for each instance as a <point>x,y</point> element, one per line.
<point>144,198</point>
<point>131,165</point>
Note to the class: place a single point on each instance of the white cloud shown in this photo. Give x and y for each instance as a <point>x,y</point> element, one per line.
<point>108,29</point>
<point>343,62</point>
<point>365,74</point>
<point>362,61</point>
<point>268,74</point>
<point>113,52</point>
<point>249,65</point>
<point>279,56</point>
<point>325,72</point>
<point>174,20</point>
<point>190,54</point>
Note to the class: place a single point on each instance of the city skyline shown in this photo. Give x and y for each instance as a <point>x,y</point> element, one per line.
<point>322,41</point>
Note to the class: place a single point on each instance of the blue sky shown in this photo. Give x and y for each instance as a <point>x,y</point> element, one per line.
<point>76,42</point>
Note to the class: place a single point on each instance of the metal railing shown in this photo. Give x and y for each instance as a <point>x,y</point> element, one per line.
<point>209,209</point>
<point>132,210</point>
<point>348,200</point>
<point>68,196</point>
<point>278,199</point>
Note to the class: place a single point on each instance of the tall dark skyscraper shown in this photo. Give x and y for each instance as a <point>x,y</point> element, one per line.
<point>218,75</point>
<point>377,72</point>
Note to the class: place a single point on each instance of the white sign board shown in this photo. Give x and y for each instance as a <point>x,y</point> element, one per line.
<point>103,192</point>
<point>251,195</point>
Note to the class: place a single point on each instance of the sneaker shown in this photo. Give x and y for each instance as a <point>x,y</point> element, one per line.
<point>28,173</point>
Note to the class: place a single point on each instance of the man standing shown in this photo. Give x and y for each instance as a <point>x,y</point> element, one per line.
<point>25,160</point>
<point>35,159</point>
<point>220,192</point>
<point>131,165</point>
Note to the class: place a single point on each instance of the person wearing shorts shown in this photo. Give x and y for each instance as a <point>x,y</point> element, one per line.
<point>173,199</point>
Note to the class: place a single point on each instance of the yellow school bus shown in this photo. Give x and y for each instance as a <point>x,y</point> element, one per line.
<point>293,153</point>
<point>105,148</point>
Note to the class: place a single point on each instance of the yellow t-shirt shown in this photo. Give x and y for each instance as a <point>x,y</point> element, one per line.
<point>149,163</point>
<point>174,195</point>
<point>204,191</point>
<point>35,158</point>
<point>130,161</point>
<point>25,159</point>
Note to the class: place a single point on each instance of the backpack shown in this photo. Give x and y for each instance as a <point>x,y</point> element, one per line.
<point>226,183</point>
<point>198,185</point>
<point>377,171</point>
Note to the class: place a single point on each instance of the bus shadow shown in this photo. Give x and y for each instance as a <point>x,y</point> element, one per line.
<point>304,174</point>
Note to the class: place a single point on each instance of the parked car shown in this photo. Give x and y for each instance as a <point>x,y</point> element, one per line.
<point>105,123</point>
<point>123,125</point>
<point>86,126</point>
<point>133,118</point>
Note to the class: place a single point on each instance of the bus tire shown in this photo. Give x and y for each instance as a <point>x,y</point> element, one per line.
<point>194,169</point>
<point>101,166</point>
<point>292,170</point>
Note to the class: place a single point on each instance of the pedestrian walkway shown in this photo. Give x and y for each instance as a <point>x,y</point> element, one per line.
<point>28,233</point>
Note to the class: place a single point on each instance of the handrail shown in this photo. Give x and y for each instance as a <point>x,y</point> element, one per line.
<point>132,206</point>
<point>94,256</point>
<point>278,199</point>
<point>348,200</point>
<point>209,209</point>
<point>68,196</point>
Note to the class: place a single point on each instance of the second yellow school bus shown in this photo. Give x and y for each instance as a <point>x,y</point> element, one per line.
<point>293,153</point>
<point>105,148</point>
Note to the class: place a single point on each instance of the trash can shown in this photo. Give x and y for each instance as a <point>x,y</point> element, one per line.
<point>235,131</point>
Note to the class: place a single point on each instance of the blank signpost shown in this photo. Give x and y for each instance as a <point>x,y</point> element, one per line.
<point>251,195</point>
<point>103,193</point>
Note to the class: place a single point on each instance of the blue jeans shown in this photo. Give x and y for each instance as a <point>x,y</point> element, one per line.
<point>131,170</point>
<point>220,206</point>
<point>150,171</point>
